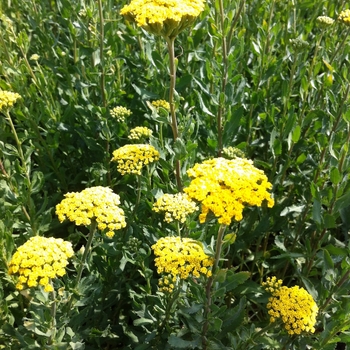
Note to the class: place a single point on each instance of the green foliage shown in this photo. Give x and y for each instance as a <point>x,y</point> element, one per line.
<point>262,76</point>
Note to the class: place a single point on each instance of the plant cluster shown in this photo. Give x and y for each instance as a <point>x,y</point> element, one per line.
<point>174,174</point>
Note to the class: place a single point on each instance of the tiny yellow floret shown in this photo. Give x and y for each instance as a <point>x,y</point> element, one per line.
<point>139,133</point>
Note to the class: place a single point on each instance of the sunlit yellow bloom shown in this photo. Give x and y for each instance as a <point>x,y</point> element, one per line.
<point>39,260</point>
<point>344,17</point>
<point>8,99</point>
<point>120,113</point>
<point>161,103</point>
<point>131,158</point>
<point>181,257</point>
<point>139,133</point>
<point>175,206</point>
<point>94,203</point>
<point>294,306</point>
<point>224,187</point>
<point>163,17</point>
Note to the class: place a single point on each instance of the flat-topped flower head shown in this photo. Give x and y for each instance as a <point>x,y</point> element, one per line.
<point>8,99</point>
<point>163,17</point>
<point>293,305</point>
<point>139,133</point>
<point>324,21</point>
<point>95,203</point>
<point>39,260</point>
<point>344,17</point>
<point>161,103</point>
<point>181,257</point>
<point>120,113</point>
<point>175,207</point>
<point>226,186</point>
<point>131,158</point>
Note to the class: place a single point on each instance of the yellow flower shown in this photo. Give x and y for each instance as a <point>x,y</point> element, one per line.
<point>8,99</point>
<point>34,57</point>
<point>325,21</point>
<point>181,257</point>
<point>175,206</point>
<point>344,17</point>
<point>131,158</point>
<point>224,187</point>
<point>120,113</point>
<point>39,260</point>
<point>294,306</point>
<point>161,103</point>
<point>232,152</point>
<point>94,203</point>
<point>139,132</point>
<point>272,285</point>
<point>163,17</point>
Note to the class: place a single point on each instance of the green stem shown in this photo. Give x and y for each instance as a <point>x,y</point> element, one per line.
<point>19,147</point>
<point>171,50</point>
<point>53,317</point>
<point>218,248</point>
<point>93,226</point>
<point>102,78</point>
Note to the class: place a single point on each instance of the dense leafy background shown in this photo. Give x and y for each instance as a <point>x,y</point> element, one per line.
<point>279,80</point>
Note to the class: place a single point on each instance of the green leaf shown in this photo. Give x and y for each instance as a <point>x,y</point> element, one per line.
<point>342,202</point>
<point>179,343</point>
<point>296,134</point>
<point>316,211</point>
<point>234,279</point>
<point>335,175</point>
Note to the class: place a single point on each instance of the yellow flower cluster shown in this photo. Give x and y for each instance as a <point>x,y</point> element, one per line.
<point>225,187</point>
<point>94,203</point>
<point>131,158</point>
<point>8,99</point>
<point>163,17</point>
<point>344,17</point>
<point>39,260</point>
<point>166,283</point>
<point>161,103</point>
<point>232,152</point>
<point>272,284</point>
<point>294,306</point>
<point>175,206</point>
<point>325,21</point>
<point>181,257</point>
<point>120,113</point>
<point>139,132</point>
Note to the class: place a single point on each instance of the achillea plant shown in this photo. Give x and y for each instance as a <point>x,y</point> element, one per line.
<point>120,113</point>
<point>131,158</point>
<point>165,18</point>
<point>39,260</point>
<point>161,103</point>
<point>224,187</point>
<point>344,17</point>
<point>98,204</point>
<point>175,207</point>
<point>8,99</point>
<point>139,133</point>
<point>293,305</point>
<point>181,257</point>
